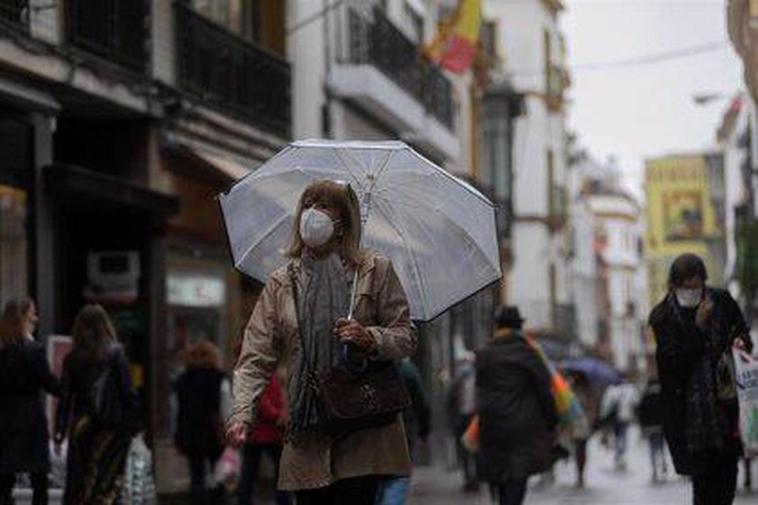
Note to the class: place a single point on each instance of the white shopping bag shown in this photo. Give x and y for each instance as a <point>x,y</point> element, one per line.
<point>139,485</point>
<point>746,374</point>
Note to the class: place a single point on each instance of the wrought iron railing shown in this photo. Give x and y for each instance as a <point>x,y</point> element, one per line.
<point>115,30</point>
<point>380,43</point>
<point>14,14</point>
<point>231,73</point>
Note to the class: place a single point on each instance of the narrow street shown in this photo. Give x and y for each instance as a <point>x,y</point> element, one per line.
<point>605,486</point>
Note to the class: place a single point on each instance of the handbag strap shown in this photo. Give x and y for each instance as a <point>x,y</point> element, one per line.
<point>344,348</point>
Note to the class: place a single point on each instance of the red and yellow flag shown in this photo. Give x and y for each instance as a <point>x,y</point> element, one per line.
<point>460,49</point>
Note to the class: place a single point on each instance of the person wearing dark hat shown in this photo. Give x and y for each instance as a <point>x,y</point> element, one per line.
<point>517,412</point>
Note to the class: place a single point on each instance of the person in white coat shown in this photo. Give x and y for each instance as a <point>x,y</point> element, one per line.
<point>619,404</point>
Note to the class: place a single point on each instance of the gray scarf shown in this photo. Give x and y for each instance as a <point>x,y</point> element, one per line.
<point>323,299</point>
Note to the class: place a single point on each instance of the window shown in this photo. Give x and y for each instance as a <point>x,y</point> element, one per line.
<point>13,244</point>
<point>550,160</point>
<point>488,39</point>
<point>240,17</point>
<point>548,56</point>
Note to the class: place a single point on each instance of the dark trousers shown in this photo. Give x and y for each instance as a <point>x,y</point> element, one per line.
<point>466,459</point>
<point>251,461</point>
<point>511,492</point>
<point>359,490</point>
<point>199,464</point>
<point>717,485</point>
<point>39,486</point>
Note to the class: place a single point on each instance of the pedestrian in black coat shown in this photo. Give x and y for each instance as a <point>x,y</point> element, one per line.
<point>199,421</point>
<point>516,408</point>
<point>98,412</point>
<point>696,327</point>
<point>24,375</point>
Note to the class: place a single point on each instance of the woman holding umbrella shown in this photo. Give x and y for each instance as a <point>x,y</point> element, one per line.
<point>300,321</point>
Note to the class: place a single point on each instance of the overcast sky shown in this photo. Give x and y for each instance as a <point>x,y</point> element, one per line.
<point>639,111</point>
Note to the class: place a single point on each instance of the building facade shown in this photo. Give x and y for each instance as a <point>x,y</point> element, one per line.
<point>682,216</point>
<point>606,265</point>
<point>742,24</point>
<point>530,41</point>
<point>121,121</point>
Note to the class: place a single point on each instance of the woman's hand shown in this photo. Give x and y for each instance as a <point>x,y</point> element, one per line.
<point>236,433</point>
<point>742,343</point>
<point>350,330</point>
<point>703,313</point>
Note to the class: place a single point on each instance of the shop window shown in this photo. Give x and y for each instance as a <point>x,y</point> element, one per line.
<point>13,244</point>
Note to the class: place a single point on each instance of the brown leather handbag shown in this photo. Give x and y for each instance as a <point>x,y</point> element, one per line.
<point>357,400</point>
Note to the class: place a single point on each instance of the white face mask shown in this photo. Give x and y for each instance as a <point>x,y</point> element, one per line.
<point>316,227</point>
<point>689,298</point>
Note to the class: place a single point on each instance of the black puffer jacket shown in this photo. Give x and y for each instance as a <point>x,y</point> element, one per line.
<point>24,374</point>
<point>516,410</point>
<point>680,347</point>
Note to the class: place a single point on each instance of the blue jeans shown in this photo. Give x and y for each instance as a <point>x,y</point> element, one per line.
<point>393,491</point>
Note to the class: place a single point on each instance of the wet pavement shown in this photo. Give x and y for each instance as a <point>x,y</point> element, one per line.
<point>604,484</point>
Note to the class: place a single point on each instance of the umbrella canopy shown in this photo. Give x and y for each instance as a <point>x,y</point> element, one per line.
<point>438,231</point>
<point>597,371</point>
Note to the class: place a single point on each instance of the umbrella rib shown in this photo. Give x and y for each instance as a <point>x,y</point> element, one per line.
<point>338,152</point>
<point>414,261</point>
<point>463,230</point>
<point>271,229</point>
<point>383,167</point>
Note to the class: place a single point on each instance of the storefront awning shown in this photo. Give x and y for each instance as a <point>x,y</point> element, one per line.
<point>217,164</point>
<point>95,186</point>
<point>227,166</point>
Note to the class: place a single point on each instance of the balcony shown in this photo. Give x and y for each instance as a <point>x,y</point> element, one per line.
<point>14,14</point>
<point>114,30</point>
<point>384,72</point>
<point>232,74</point>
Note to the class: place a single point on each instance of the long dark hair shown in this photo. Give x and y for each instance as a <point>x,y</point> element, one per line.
<point>11,332</point>
<point>93,332</point>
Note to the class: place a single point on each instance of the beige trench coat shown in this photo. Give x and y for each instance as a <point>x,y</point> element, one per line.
<point>271,337</point>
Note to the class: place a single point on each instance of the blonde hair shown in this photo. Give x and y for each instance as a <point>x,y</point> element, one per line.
<point>93,332</point>
<point>202,354</point>
<point>11,331</point>
<point>343,198</point>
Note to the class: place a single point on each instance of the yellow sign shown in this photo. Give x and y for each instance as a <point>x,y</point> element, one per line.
<point>680,217</point>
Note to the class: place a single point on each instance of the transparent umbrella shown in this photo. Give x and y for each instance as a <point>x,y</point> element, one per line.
<point>438,230</point>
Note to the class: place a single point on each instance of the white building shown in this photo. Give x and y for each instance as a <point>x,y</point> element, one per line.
<point>358,74</point>
<point>606,266</point>
<point>735,143</point>
<point>533,49</point>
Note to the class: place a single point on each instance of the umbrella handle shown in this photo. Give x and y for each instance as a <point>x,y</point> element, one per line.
<point>353,295</point>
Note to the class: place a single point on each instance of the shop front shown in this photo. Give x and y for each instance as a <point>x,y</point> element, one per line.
<point>205,297</point>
